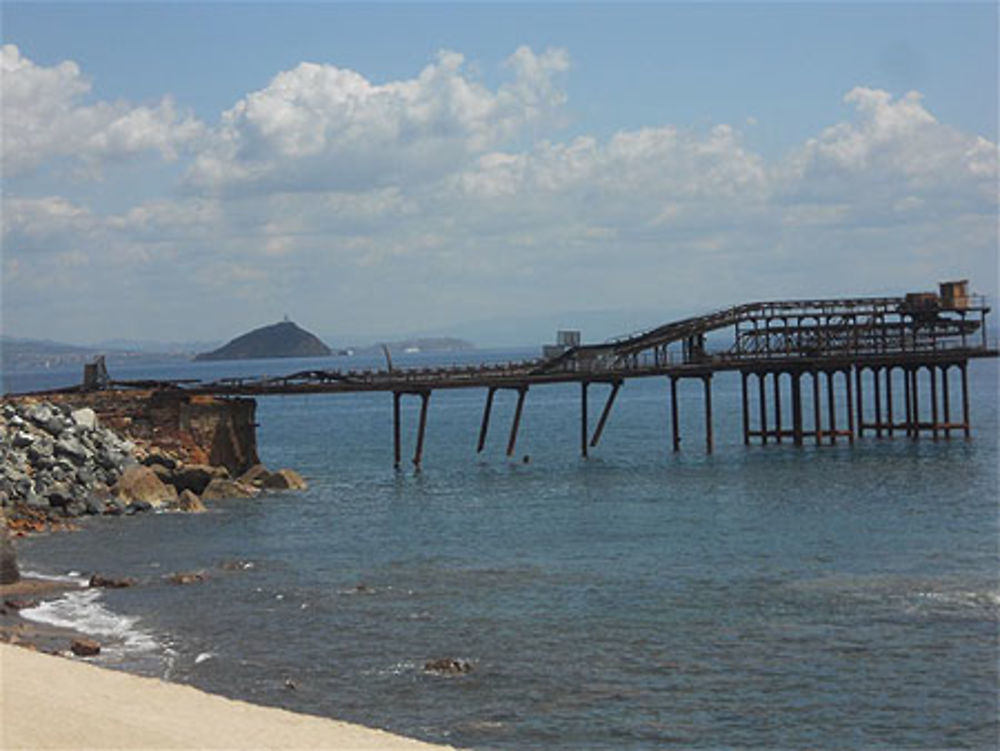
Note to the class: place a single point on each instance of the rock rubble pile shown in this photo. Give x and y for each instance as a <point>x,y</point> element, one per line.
<point>58,463</point>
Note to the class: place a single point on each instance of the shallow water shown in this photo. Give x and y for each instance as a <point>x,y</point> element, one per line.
<point>774,596</point>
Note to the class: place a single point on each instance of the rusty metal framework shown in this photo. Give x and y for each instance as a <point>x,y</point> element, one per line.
<point>813,343</point>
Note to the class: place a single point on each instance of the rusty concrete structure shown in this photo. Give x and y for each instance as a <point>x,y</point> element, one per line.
<point>894,346</point>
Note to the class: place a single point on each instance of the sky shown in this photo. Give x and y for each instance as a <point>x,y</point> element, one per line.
<point>189,171</point>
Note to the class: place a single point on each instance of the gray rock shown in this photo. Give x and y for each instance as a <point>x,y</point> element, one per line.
<point>60,495</point>
<point>76,508</point>
<point>85,418</point>
<point>21,439</point>
<point>96,506</point>
<point>72,448</point>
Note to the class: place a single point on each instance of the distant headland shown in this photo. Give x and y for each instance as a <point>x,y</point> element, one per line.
<point>284,339</point>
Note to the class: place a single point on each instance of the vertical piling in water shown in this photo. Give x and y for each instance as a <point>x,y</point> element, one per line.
<point>934,401</point>
<point>674,422</point>
<point>584,429</point>
<point>418,455</point>
<point>946,401</point>
<point>746,408</point>
<point>796,377</point>
<point>817,412</point>
<point>762,395</point>
<point>777,406</point>
<point>396,443</point>
<point>966,425</point>
<point>888,401</point>
<point>512,440</point>
<point>831,405</point>
<point>850,406</point>
<point>707,380</point>
<point>485,425</point>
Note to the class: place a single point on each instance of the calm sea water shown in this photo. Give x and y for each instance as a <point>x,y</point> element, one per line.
<point>766,597</point>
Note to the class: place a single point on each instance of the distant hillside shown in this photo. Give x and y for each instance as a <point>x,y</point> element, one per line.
<point>283,339</point>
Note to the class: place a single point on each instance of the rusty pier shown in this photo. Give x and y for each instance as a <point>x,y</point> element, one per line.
<point>805,367</point>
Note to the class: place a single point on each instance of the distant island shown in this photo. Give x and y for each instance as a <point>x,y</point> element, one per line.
<point>283,339</point>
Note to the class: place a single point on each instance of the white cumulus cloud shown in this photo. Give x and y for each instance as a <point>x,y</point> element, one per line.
<point>45,118</point>
<point>324,127</point>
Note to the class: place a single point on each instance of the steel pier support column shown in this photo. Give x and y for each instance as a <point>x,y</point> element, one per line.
<point>485,426</point>
<point>915,394</point>
<point>888,399</point>
<point>777,406</point>
<point>761,377</point>
<point>396,443</point>
<point>967,426</point>
<point>946,401</point>
<point>604,414</point>
<point>908,398</point>
<point>425,397</point>
<point>521,392</point>
<point>934,402</point>
<point>707,380</point>
<point>831,406</point>
<point>674,422</point>
<point>859,402</point>
<point>746,409</point>
<point>796,407</point>
<point>817,417</point>
<point>850,406</point>
<point>878,403</point>
<point>584,429</point>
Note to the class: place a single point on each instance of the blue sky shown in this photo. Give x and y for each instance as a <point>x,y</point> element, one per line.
<point>576,157</point>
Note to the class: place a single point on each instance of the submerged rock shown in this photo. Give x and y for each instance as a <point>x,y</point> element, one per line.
<point>448,666</point>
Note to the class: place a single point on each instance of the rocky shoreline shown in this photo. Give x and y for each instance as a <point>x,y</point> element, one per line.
<point>59,460</point>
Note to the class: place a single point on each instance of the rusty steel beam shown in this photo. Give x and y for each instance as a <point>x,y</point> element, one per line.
<point>605,412</point>
<point>485,424</point>
<point>512,440</point>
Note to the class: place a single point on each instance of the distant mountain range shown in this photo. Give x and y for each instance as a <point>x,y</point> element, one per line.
<point>37,354</point>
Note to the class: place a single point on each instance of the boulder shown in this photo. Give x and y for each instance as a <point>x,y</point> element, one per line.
<point>85,647</point>
<point>139,484</point>
<point>448,666</point>
<point>285,479</point>
<point>257,475</point>
<point>156,458</point>
<point>109,583</point>
<point>219,488</point>
<point>85,418</point>
<point>72,448</point>
<point>196,477</point>
<point>189,501</point>
<point>186,577</point>
<point>9,572</point>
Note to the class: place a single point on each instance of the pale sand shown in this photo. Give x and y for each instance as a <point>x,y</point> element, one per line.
<point>56,702</point>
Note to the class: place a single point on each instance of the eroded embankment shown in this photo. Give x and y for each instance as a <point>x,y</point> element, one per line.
<point>67,455</point>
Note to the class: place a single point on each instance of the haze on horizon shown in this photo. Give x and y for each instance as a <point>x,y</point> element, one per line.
<point>192,171</point>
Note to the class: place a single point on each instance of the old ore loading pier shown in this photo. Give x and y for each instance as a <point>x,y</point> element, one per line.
<point>833,350</point>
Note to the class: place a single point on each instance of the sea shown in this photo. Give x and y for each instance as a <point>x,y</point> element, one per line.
<point>756,597</point>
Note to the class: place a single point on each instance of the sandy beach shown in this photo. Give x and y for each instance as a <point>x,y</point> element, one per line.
<point>54,702</point>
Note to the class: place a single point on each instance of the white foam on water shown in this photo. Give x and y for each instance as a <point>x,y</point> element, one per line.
<point>203,656</point>
<point>70,577</point>
<point>82,611</point>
